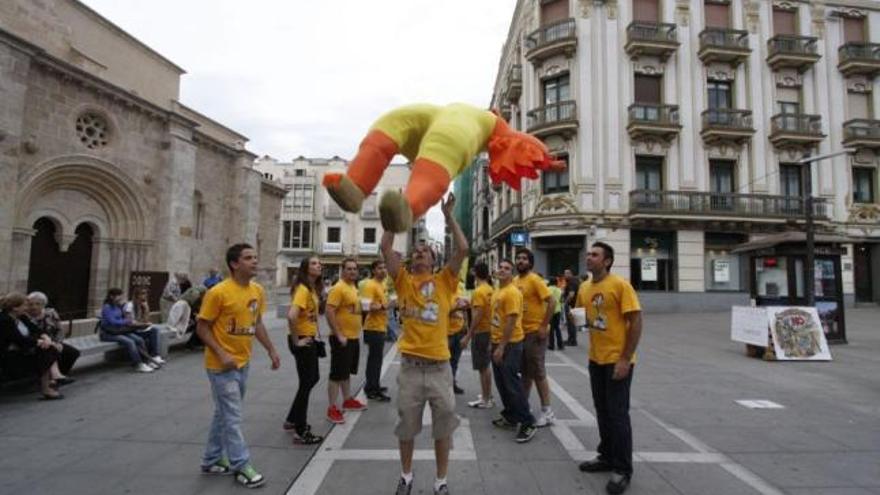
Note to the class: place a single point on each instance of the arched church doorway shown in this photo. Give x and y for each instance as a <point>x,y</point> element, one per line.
<point>63,276</point>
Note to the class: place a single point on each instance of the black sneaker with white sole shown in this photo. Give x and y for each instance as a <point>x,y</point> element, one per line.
<point>618,483</point>
<point>525,433</point>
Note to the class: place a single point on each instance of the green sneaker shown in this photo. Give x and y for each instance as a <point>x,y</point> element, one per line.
<point>220,467</point>
<point>249,477</point>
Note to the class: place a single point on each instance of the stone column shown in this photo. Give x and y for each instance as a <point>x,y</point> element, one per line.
<point>14,69</point>
<point>176,216</point>
<point>247,185</point>
<point>690,251</point>
<point>20,260</point>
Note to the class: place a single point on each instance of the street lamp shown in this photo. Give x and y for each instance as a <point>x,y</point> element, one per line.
<point>808,206</point>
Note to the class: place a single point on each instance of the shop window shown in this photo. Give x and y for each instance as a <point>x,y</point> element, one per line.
<point>723,270</point>
<point>652,260</point>
<point>771,276</point>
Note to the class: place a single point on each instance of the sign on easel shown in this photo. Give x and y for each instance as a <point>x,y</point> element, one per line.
<point>796,332</point>
<point>749,325</point>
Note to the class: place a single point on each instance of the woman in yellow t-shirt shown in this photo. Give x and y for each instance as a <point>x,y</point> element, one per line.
<point>302,321</point>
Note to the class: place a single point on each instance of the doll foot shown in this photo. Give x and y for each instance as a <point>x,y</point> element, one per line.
<point>395,212</point>
<point>344,192</point>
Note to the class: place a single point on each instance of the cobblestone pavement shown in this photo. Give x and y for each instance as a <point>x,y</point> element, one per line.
<point>121,432</point>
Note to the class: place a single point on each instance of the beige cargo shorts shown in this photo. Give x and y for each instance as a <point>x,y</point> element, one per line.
<point>423,381</point>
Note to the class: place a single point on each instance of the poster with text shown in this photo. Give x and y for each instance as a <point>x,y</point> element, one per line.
<point>721,271</point>
<point>797,334</point>
<point>649,269</point>
<point>749,325</point>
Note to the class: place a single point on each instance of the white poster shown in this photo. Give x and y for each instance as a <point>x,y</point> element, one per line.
<point>649,269</point>
<point>797,333</point>
<point>749,325</point>
<point>721,270</point>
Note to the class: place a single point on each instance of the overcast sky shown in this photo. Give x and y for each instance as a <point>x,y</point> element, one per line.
<point>307,78</point>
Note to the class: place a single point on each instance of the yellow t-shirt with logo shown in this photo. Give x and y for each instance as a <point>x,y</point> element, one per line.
<point>482,299</point>
<point>425,301</point>
<point>377,321</point>
<point>507,301</point>
<point>456,318</point>
<point>606,303</point>
<point>535,292</point>
<point>344,297</point>
<point>234,311</point>
<point>307,319</point>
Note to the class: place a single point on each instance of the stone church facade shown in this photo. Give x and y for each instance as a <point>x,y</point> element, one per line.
<point>104,172</point>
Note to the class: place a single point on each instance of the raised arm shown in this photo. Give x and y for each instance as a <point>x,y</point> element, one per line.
<point>392,258</point>
<point>461,246</point>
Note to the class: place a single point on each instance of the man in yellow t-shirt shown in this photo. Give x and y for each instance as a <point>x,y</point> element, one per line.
<point>507,355</point>
<point>344,318</point>
<point>614,318</point>
<point>538,308</point>
<point>229,319</point>
<point>375,301</point>
<point>425,300</point>
<point>478,335</point>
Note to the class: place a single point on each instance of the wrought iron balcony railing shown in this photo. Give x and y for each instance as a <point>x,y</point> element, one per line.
<point>724,38</point>
<point>709,204</point>
<point>727,118</point>
<point>511,216</point>
<point>787,44</point>
<point>796,123</point>
<point>653,113</point>
<point>551,114</point>
<point>551,33</point>
<point>652,31</point>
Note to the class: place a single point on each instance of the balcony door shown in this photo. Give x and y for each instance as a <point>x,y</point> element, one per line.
<point>554,11</point>
<point>854,30</point>
<point>649,180</point>
<point>785,22</point>
<point>788,103</point>
<point>556,90</point>
<point>646,10</point>
<point>648,92</point>
<point>721,184</point>
<point>720,99</point>
<point>791,185</point>
<point>717,14</point>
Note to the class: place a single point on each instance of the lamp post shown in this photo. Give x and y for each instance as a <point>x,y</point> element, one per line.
<point>808,214</point>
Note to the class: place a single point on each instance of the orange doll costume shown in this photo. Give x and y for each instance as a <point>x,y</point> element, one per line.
<point>440,142</point>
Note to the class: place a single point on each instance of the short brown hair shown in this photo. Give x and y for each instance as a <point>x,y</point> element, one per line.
<point>12,300</point>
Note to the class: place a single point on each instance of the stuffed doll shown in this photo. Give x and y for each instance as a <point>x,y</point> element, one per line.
<point>440,142</point>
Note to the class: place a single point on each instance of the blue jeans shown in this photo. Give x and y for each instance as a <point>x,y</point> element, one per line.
<point>455,349</point>
<point>225,438</point>
<point>509,385</point>
<point>130,341</point>
<point>151,337</point>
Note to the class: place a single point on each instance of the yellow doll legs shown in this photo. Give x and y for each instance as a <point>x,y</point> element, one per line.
<point>363,173</point>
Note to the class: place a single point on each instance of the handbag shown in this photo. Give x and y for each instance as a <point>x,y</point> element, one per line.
<point>320,348</point>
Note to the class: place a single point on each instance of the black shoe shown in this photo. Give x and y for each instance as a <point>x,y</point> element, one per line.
<point>525,433</point>
<point>65,381</point>
<point>403,488</point>
<point>596,465</point>
<point>458,390</point>
<point>617,484</point>
<point>383,389</point>
<point>572,343</point>
<point>551,348</point>
<point>378,397</point>
<point>503,423</point>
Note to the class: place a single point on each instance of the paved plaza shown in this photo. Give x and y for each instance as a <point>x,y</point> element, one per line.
<point>120,432</point>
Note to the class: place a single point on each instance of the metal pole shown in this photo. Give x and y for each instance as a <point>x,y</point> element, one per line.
<point>811,243</point>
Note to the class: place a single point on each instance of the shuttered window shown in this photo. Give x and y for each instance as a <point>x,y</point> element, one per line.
<point>858,106</point>
<point>853,30</point>
<point>553,11</point>
<point>646,10</point>
<point>717,15</point>
<point>647,89</point>
<point>784,22</point>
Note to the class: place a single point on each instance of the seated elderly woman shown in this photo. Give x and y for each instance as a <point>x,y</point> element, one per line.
<point>115,327</point>
<point>24,350</point>
<point>48,321</point>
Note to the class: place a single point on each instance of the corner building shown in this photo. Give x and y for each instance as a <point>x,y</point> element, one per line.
<point>682,123</point>
<point>103,171</point>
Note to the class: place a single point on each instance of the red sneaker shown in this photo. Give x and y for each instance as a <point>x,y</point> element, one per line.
<point>354,405</point>
<point>334,415</point>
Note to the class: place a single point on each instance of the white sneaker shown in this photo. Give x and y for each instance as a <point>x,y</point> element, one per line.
<point>545,419</point>
<point>158,360</point>
<point>144,368</point>
<point>482,404</point>
<point>153,365</point>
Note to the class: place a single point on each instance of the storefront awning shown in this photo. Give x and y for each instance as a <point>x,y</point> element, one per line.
<point>786,237</point>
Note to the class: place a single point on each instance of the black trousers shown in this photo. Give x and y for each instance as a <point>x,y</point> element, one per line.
<point>611,400</point>
<point>572,330</point>
<point>307,370</point>
<point>17,365</point>
<point>555,339</point>
<point>375,343</point>
<point>510,387</point>
<point>68,356</point>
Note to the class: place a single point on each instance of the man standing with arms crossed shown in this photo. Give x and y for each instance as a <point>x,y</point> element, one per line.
<point>344,318</point>
<point>230,316</point>
<point>614,318</point>
<point>507,351</point>
<point>425,300</point>
<point>538,308</point>
<point>375,328</point>
<point>478,335</point>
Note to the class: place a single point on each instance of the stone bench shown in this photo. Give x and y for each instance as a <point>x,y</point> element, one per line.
<point>92,344</point>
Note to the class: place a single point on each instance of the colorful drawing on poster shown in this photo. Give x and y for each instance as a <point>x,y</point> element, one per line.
<point>797,333</point>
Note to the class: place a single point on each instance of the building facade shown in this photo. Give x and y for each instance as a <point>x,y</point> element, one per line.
<point>312,223</point>
<point>683,124</point>
<point>103,171</point>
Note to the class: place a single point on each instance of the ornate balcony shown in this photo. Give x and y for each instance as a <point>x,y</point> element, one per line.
<point>795,129</point>
<point>556,118</point>
<point>651,38</point>
<point>861,133</point>
<point>512,217</point>
<point>859,59</point>
<point>724,45</point>
<point>724,124</point>
<point>653,119</point>
<point>552,39</point>
<point>789,51</point>
<point>709,205</point>
<point>514,83</point>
